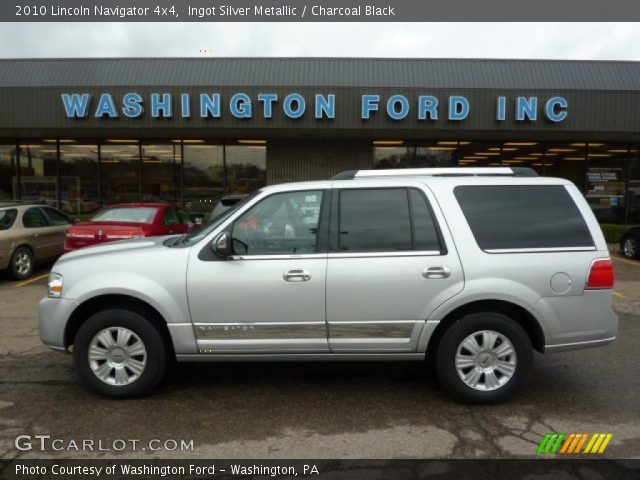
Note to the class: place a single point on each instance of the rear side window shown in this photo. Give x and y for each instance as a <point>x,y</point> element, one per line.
<point>523,217</point>
<point>7,217</point>
<point>34,218</point>
<point>385,220</point>
<point>171,217</point>
<point>57,218</point>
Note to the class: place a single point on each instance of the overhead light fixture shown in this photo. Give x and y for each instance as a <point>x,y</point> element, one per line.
<point>520,144</point>
<point>621,150</point>
<point>599,155</point>
<point>447,149</point>
<point>561,150</point>
<point>188,141</point>
<point>536,154</point>
<point>582,144</point>
<point>486,153</point>
<point>53,140</point>
<point>388,142</point>
<point>473,158</point>
<point>524,158</point>
<point>253,142</point>
<point>513,161</point>
<point>574,158</point>
<point>148,150</point>
<point>494,164</point>
<point>49,151</point>
<point>111,140</point>
<point>537,164</point>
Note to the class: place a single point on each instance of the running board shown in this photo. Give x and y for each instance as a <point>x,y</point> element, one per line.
<point>300,357</point>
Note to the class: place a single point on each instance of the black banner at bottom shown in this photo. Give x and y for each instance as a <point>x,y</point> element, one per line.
<point>113,469</point>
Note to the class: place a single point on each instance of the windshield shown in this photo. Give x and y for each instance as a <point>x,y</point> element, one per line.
<point>7,217</point>
<point>203,232</point>
<point>127,214</point>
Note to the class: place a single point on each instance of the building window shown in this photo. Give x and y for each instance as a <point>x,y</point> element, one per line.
<point>38,173</point>
<point>567,160</point>
<point>524,154</point>
<point>390,154</point>
<point>79,178</point>
<point>634,186</point>
<point>479,154</point>
<point>203,177</point>
<point>246,168</point>
<point>8,169</point>
<point>607,180</point>
<point>160,164</point>
<point>120,171</point>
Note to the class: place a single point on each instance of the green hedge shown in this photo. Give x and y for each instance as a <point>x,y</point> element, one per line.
<point>613,232</point>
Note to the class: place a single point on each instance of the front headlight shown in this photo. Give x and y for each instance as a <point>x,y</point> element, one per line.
<point>55,285</point>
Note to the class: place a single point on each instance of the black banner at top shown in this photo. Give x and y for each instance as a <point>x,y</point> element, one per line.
<point>318,10</point>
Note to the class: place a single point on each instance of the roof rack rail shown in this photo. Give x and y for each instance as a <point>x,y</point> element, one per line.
<point>438,172</point>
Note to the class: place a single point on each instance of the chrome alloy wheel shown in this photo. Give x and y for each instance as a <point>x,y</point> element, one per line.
<point>117,356</point>
<point>485,360</point>
<point>629,248</point>
<point>22,263</point>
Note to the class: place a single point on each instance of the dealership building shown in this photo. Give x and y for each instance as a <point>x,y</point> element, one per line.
<point>81,133</point>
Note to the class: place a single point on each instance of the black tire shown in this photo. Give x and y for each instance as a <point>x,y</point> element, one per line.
<point>15,267</point>
<point>465,326</point>
<point>634,251</point>
<point>154,344</point>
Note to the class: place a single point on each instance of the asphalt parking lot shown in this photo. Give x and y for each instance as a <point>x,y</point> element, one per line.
<point>338,410</point>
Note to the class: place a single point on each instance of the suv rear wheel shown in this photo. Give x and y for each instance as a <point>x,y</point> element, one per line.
<point>119,353</point>
<point>484,358</point>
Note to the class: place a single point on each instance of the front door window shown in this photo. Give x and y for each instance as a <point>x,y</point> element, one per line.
<point>281,224</point>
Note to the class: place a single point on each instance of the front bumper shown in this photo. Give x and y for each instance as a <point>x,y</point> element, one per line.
<point>53,315</point>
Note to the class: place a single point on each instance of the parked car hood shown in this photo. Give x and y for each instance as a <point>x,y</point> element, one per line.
<point>145,243</point>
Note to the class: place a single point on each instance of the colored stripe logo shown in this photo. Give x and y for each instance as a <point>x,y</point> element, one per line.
<point>561,443</point>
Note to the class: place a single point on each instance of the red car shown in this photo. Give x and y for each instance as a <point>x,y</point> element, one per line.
<point>130,220</point>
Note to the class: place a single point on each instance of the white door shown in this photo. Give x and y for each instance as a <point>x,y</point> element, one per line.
<point>270,296</point>
<point>388,268</point>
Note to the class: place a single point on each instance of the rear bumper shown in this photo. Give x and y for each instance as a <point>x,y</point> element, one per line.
<point>53,315</point>
<point>575,322</point>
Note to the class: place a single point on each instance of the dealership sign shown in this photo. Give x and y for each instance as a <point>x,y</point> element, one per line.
<point>295,105</point>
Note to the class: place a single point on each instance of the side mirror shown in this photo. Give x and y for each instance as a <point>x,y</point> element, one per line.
<point>198,220</point>
<point>222,245</point>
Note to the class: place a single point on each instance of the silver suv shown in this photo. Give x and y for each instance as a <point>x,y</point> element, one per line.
<point>469,269</point>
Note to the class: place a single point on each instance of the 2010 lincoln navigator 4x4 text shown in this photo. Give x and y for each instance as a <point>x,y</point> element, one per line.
<point>468,270</point>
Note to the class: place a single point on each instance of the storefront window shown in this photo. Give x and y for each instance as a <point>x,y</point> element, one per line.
<point>606,181</point>
<point>8,169</point>
<point>203,177</point>
<point>246,167</point>
<point>160,165</point>
<point>79,192</point>
<point>479,154</point>
<point>387,155</point>
<point>120,164</point>
<point>38,173</point>
<point>415,155</point>
<point>634,185</point>
<point>567,160</point>
<point>524,154</point>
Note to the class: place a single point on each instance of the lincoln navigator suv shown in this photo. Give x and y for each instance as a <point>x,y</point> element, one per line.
<point>468,270</point>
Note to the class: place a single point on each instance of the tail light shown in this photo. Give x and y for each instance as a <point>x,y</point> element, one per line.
<point>601,275</point>
<point>80,233</point>
<point>124,234</point>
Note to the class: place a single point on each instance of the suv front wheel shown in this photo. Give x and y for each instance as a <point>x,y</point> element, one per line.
<point>119,353</point>
<point>484,358</point>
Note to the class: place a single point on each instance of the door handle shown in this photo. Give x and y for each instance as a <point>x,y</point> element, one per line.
<point>34,235</point>
<point>297,275</point>
<point>436,272</point>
